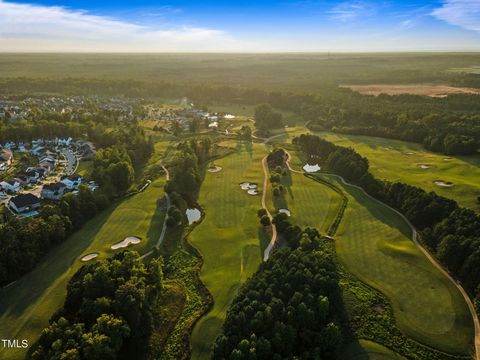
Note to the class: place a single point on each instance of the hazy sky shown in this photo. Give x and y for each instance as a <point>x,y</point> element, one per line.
<point>228,26</point>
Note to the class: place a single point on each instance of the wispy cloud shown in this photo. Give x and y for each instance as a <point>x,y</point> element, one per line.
<point>463,13</point>
<point>28,27</point>
<point>350,10</point>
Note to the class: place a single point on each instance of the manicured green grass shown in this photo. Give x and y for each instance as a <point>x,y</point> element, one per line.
<point>309,203</point>
<point>393,160</point>
<point>396,160</point>
<point>85,168</point>
<point>27,305</point>
<point>374,244</point>
<point>368,350</point>
<point>227,238</point>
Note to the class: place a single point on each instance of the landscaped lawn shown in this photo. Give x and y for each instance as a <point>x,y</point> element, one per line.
<point>27,305</point>
<point>374,243</point>
<point>228,237</point>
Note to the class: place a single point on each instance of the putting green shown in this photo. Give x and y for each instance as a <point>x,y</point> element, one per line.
<point>27,305</point>
<point>374,243</point>
<point>228,237</point>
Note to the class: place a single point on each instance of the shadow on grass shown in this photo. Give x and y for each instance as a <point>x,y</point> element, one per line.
<point>57,267</point>
<point>378,210</point>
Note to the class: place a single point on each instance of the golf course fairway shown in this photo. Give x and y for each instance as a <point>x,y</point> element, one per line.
<point>27,305</point>
<point>374,243</point>
<point>309,203</point>
<point>227,237</point>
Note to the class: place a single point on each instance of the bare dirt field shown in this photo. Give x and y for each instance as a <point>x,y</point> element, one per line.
<point>432,90</point>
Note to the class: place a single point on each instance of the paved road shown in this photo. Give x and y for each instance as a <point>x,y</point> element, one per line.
<point>72,162</point>
<point>164,225</point>
<point>432,260</point>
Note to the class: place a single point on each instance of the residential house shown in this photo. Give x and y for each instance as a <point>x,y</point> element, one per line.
<point>72,181</point>
<point>38,150</point>
<point>6,158</point>
<point>54,191</point>
<point>47,166</point>
<point>11,185</point>
<point>32,175</point>
<point>24,203</point>
<point>22,179</point>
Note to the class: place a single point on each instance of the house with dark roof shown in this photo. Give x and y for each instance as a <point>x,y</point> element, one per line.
<point>24,203</point>
<point>54,191</point>
<point>11,185</point>
<point>72,181</point>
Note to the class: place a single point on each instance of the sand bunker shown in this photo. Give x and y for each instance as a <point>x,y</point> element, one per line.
<point>424,166</point>
<point>247,186</point>
<point>229,116</point>
<point>214,169</point>
<point>311,168</point>
<point>126,242</point>
<point>89,257</point>
<point>284,211</point>
<point>250,188</point>
<point>193,215</point>
<point>443,183</point>
<point>432,90</point>
<point>410,153</point>
<point>447,159</point>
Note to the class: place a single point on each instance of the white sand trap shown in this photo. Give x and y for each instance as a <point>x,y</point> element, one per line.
<point>193,215</point>
<point>214,169</point>
<point>443,183</point>
<point>248,186</point>
<point>410,153</point>
<point>311,168</point>
<point>229,116</point>
<point>89,257</point>
<point>252,192</point>
<point>285,211</point>
<point>424,166</point>
<point>447,159</point>
<point>126,242</point>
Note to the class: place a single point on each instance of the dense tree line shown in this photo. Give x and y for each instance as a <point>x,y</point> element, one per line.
<point>450,125</point>
<point>23,242</point>
<point>186,171</point>
<point>452,233</point>
<point>290,309</point>
<point>107,312</point>
<point>267,118</point>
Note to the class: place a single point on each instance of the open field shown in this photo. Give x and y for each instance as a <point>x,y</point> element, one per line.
<point>432,90</point>
<point>228,237</point>
<point>374,243</point>
<point>288,72</point>
<point>27,305</point>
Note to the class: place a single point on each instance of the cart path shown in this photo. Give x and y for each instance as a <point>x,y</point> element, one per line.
<point>429,256</point>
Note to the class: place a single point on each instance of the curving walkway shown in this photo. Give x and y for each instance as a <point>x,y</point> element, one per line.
<point>266,253</point>
<point>432,260</point>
